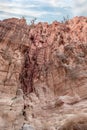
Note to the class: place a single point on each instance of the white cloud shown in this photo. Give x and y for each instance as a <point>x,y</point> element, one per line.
<point>33,8</point>
<point>61,3</point>
<point>16,5</point>
<point>80,7</point>
<point>23,12</point>
<point>54,3</point>
<point>20,9</point>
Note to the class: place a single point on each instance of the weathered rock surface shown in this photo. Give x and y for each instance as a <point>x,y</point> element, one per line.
<point>49,64</point>
<point>27,127</point>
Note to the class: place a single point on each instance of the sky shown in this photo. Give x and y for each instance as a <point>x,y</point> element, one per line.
<point>42,10</point>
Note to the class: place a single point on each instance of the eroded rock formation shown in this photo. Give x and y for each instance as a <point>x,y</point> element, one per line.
<point>49,63</point>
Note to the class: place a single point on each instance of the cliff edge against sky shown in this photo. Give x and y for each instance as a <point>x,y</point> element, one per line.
<point>48,62</point>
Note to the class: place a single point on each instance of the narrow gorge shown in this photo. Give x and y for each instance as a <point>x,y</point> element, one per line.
<point>43,75</point>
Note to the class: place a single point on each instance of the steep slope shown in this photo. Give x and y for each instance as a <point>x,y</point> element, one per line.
<point>48,62</point>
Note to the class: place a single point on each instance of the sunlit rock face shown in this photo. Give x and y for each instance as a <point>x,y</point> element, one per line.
<point>49,63</point>
<point>54,54</point>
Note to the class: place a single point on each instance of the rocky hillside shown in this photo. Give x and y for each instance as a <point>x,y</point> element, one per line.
<point>43,74</point>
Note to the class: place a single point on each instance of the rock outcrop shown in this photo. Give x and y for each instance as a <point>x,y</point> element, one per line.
<point>48,62</point>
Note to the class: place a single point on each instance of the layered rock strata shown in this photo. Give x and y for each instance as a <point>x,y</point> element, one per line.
<point>49,63</point>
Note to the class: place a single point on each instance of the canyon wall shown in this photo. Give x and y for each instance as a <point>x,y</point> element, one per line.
<point>48,62</point>
<point>54,54</point>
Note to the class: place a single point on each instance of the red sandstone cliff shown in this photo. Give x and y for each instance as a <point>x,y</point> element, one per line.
<point>47,61</point>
